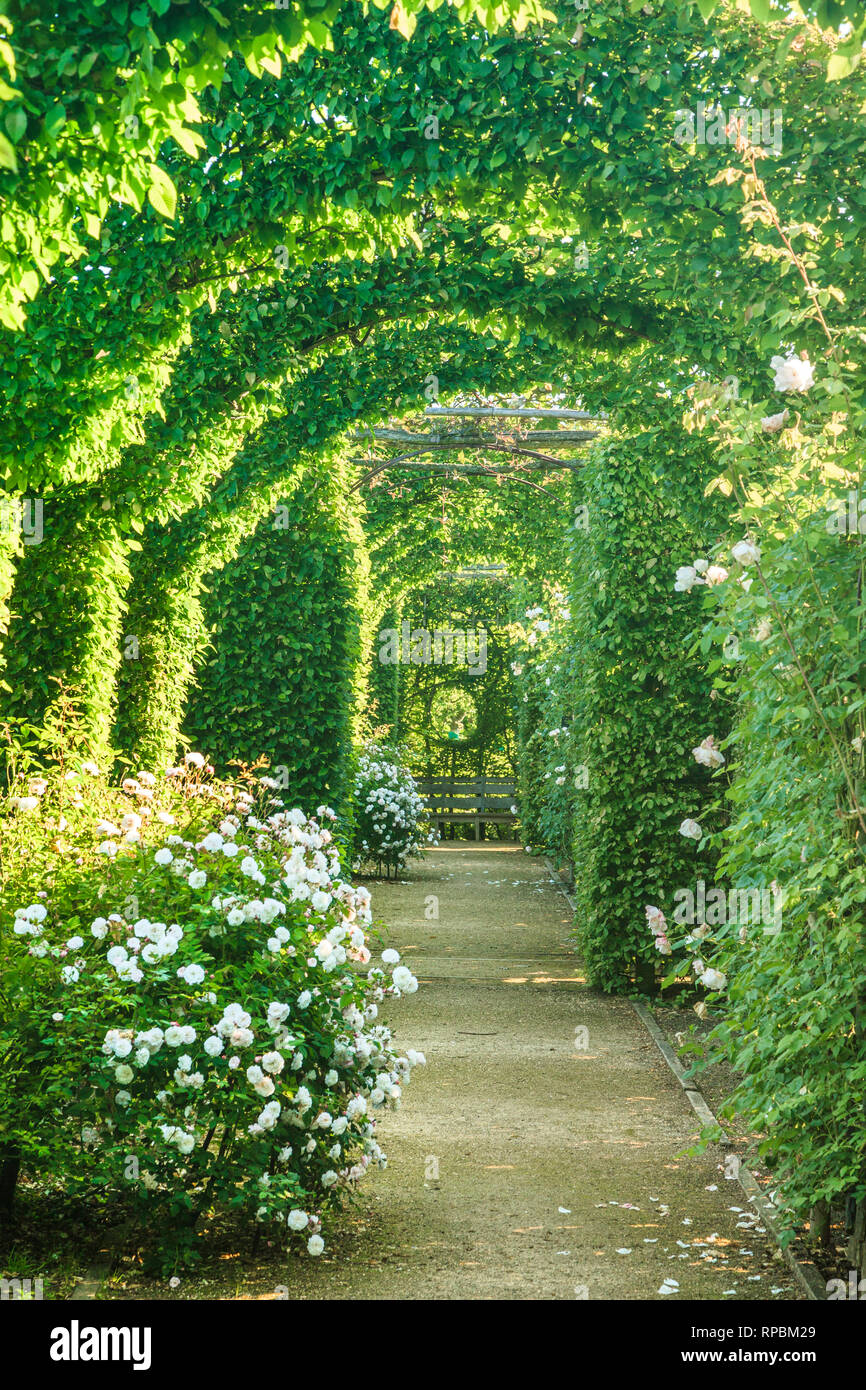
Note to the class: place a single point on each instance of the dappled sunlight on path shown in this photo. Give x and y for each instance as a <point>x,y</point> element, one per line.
<point>536,1155</point>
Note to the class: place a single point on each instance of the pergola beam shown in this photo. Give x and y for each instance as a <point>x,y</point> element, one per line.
<point>507,475</point>
<point>550,438</point>
<point>503,412</point>
<point>537,464</point>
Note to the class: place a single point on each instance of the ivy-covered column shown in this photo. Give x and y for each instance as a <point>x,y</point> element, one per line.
<point>385,676</point>
<point>21,522</point>
<point>640,704</point>
<point>66,624</point>
<point>286,676</point>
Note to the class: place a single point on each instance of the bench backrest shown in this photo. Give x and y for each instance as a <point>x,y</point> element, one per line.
<point>444,794</point>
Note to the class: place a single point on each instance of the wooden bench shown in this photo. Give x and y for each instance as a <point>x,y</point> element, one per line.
<point>476,801</point>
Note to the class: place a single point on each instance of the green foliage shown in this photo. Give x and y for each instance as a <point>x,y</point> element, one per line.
<point>549,779</point>
<point>639,706</point>
<point>470,696</point>
<point>791,1019</point>
<point>384,684</point>
<point>93,95</point>
<point>284,680</point>
<point>130,1044</point>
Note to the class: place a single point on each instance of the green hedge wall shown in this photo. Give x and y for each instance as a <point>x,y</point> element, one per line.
<point>385,680</point>
<point>285,675</point>
<point>640,704</point>
<point>544,698</point>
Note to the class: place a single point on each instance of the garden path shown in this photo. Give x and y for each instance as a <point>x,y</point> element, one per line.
<point>521,1166</point>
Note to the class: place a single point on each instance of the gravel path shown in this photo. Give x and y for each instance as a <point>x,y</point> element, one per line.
<point>529,1161</point>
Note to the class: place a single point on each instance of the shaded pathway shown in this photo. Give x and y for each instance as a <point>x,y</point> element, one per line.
<point>520,1164</point>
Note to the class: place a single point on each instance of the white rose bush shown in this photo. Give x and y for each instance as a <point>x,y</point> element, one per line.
<point>782,990</point>
<point>191,1019</point>
<point>392,824</point>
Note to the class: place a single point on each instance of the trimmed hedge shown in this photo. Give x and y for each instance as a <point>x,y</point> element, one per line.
<point>640,706</point>
<point>285,677</point>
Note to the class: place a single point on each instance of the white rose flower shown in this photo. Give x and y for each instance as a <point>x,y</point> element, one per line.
<point>404,980</point>
<point>707,754</point>
<point>686,578</point>
<point>771,424</point>
<point>193,974</point>
<point>792,373</point>
<point>745,553</point>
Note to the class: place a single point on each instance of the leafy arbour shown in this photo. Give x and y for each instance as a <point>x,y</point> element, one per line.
<point>421,525</point>
<point>423,529</point>
<point>153,287</point>
<point>91,94</point>
<point>83,518</point>
<point>285,679</point>
<point>169,572</point>
<point>325,257</point>
<point>478,610</point>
